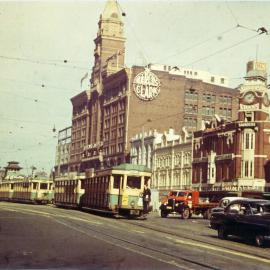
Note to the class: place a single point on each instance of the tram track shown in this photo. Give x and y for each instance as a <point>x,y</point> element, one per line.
<point>90,226</point>
<point>94,230</point>
<point>200,239</point>
<point>157,252</point>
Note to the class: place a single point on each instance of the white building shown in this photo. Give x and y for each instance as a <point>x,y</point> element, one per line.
<point>142,146</point>
<point>168,155</point>
<point>205,76</point>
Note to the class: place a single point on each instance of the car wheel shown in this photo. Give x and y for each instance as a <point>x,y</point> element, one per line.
<point>222,234</point>
<point>185,214</point>
<point>163,214</point>
<point>259,240</point>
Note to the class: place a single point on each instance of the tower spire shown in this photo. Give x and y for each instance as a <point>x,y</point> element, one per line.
<point>110,43</point>
<point>112,11</point>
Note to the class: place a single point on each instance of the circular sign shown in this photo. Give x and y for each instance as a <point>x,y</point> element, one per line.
<point>146,85</point>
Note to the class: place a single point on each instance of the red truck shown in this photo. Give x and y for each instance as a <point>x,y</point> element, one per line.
<point>186,203</point>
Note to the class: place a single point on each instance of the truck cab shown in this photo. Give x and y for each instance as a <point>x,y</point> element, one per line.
<point>185,203</point>
<point>178,201</point>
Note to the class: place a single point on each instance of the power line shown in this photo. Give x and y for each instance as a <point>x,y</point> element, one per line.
<point>222,50</point>
<point>227,4</point>
<point>40,62</point>
<point>200,43</point>
<point>139,45</point>
<point>24,121</point>
<point>42,84</point>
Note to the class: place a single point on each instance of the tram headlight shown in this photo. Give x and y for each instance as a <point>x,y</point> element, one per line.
<point>132,203</point>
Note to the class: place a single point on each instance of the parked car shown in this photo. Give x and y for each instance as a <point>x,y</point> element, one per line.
<point>247,218</point>
<point>224,202</point>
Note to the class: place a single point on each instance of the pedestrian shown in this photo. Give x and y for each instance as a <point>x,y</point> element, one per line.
<point>146,199</point>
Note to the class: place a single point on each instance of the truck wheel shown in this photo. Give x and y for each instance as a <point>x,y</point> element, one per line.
<point>185,214</point>
<point>259,240</point>
<point>163,214</point>
<point>222,234</point>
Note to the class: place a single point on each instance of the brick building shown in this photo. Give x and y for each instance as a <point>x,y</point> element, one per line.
<point>122,101</point>
<point>235,155</point>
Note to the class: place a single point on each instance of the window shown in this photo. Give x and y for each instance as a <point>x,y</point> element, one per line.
<point>209,98</point>
<point>43,186</point>
<point>120,147</point>
<point>190,108</point>
<point>133,182</point>
<point>191,95</point>
<point>116,181</point>
<point>34,185</point>
<point>249,116</point>
<point>120,132</point>
<point>208,110</point>
<point>249,139</point>
<point>222,80</point>
<point>212,79</point>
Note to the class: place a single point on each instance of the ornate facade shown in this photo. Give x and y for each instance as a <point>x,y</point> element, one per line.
<point>167,154</point>
<point>172,162</point>
<point>122,100</point>
<point>236,155</point>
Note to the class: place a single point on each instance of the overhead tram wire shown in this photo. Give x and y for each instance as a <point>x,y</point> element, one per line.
<point>200,43</point>
<point>39,62</point>
<point>25,121</point>
<point>234,17</point>
<point>222,50</point>
<point>42,84</point>
<point>139,45</point>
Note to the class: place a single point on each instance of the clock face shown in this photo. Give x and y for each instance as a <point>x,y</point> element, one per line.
<point>266,100</point>
<point>249,97</point>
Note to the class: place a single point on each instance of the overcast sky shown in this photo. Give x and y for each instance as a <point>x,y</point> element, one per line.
<point>37,37</point>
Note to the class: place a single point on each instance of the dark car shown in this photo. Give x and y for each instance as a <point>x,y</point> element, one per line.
<point>224,202</point>
<point>247,218</point>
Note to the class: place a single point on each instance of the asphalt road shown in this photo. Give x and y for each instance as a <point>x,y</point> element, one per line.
<point>46,237</point>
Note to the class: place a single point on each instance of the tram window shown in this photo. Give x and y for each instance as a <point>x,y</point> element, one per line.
<point>11,186</point>
<point>43,186</point>
<point>34,185</point>
<point>117,180</point>
<point>51,187</point>
<point>133,182</point>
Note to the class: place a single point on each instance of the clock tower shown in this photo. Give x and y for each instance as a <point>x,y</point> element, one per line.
<point>109,45</point>
<point>254,127</point>
<point>254,94</point>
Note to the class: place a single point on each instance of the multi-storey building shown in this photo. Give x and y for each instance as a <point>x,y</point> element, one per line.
<point>235,155</point>
<point>121,101</point>
<point>167,154</point>
<point>142,147</point>
<point>62,152</point>
<point>172,162</point>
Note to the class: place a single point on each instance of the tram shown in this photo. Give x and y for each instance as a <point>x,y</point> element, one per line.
<point>117,190</point>
<point>27,190</point>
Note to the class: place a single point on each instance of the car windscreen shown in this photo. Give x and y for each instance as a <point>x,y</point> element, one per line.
<point>181,194</point>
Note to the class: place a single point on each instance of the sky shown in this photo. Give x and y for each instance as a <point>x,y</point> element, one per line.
<point>46,47</point>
